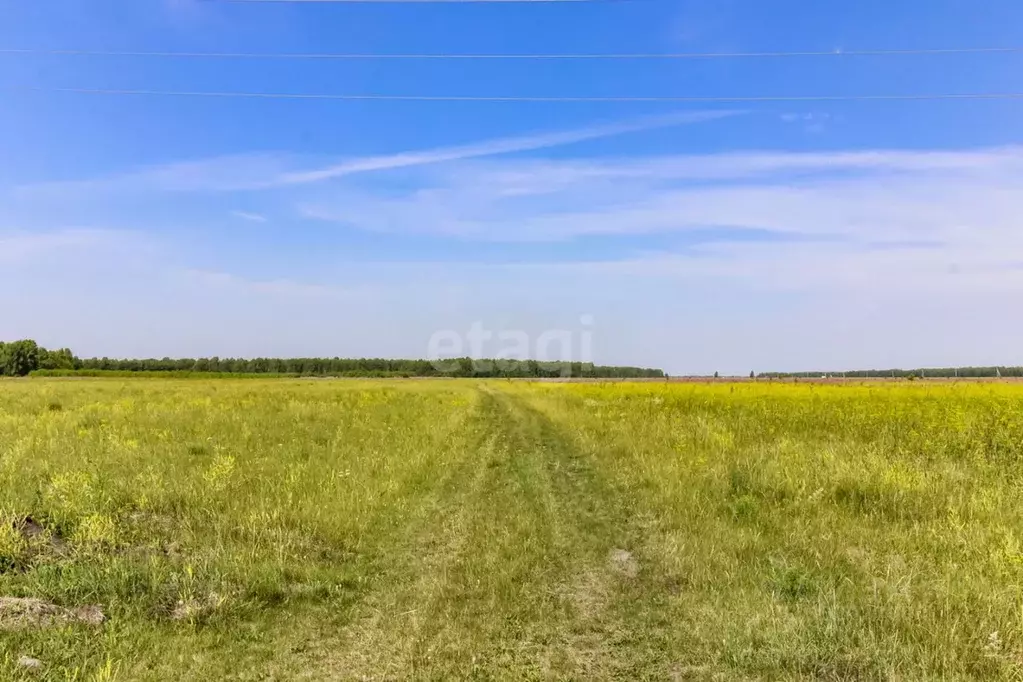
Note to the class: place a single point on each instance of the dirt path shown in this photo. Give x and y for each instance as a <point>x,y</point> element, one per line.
<point>527,568</point>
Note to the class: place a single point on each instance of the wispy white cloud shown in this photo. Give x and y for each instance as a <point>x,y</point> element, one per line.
<point>251,217</point>
<point>20,246</point>
<point>500,146</point>
<point>819,267</point>
<point>812,122</point>
<point>938,217</point>
<point>914,219</point>
<point>282,287</point>
<point>219,174</point>
<point>876,195</point>
<point>267,171</point>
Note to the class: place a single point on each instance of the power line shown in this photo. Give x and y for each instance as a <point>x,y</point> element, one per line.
<point>512,56</point>
<point>750,99</point>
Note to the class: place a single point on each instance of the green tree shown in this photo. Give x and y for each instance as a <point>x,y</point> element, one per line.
<point>19,358</point>
<point>56,359</point>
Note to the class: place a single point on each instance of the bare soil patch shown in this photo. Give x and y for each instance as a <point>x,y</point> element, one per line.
<point>18,613</point>
<point>623,563</point>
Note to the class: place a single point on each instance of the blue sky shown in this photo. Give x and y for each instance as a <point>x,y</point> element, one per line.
<point>728,237</point>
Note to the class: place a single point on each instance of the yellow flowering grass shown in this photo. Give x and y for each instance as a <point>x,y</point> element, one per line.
<point>305,529</point>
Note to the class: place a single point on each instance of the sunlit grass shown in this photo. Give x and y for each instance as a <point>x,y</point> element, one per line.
<point>281,529</point>
<point>222,501</point>
<point>837,531</point>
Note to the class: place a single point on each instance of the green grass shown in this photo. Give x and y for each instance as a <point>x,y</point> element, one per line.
<point>300,529</point>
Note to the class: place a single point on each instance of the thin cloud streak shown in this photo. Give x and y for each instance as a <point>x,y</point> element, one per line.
<point>17,246</point>
<point>499,146</point>
<point>251,217</point>
<point>256,171</point>
<point>229,173</point>
<point>275,287</point>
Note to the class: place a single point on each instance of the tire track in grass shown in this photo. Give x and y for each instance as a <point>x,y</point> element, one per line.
<point>547,580</point>
<point>616,591</point>
<point>472,593</point>
<point>510,572</point>
<point>412,624</point>
<point>493,612</point>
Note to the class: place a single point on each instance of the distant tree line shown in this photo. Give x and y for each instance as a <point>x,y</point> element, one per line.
<point>936,372</point>
<point>22,357</point>
<point>459,367</point>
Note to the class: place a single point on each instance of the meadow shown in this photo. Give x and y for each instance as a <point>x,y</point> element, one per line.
<point>279,529</point>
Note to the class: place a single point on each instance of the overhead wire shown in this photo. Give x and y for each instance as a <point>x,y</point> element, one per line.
<point>681,99</point>
<point>513,56</point>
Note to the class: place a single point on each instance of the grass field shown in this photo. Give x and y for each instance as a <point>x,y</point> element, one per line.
<point>320,530</point>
